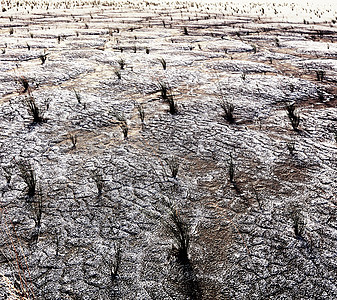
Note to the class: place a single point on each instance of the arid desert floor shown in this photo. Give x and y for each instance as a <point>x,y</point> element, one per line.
<point>167,150</point>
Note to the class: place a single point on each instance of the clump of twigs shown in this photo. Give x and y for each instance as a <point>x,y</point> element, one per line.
<point>122,63</point>
<point>27,173</point>
<point>141,114</point>
<point>293,116</point>
<point>34,110</point>
<point>112,265</point>
<point>333,130</point>
<point>7,172</point>
<point>78,96</point>
<point>298,223</point>
<point>73,139</point>
<point>320,94</point>
<point>125,129</point>
<point>43,58</point>
<point>98,179</point>
<point>178,229</point>
<point>185,31</point>
<point>25,84</point>
<point>228,109</point>
<point>320,75</point>
<point>277,42</point>
<point>122,123</point>
<point>173,164</point>
<point>166,95</point>
<point>257,198</point>
<point>231,170</point>
<point>172,105</point>
<point>181,234</point>
<point>37,207</point>
<point>291,147</point>
<point>118,73</point>
<point>164,90</point>
<point>163,62</point>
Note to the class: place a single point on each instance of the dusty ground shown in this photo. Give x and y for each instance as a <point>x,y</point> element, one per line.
<point>255,198</point>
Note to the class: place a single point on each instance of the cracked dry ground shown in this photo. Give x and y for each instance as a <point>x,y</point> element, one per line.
<point>255,199</point>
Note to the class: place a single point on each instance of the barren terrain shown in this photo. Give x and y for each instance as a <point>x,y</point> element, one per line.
<point>167,150</point>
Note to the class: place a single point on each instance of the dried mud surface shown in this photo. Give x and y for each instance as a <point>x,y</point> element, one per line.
<point>105,229</point>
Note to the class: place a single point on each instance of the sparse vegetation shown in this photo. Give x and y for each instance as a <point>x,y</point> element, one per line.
<point>223,199</point>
